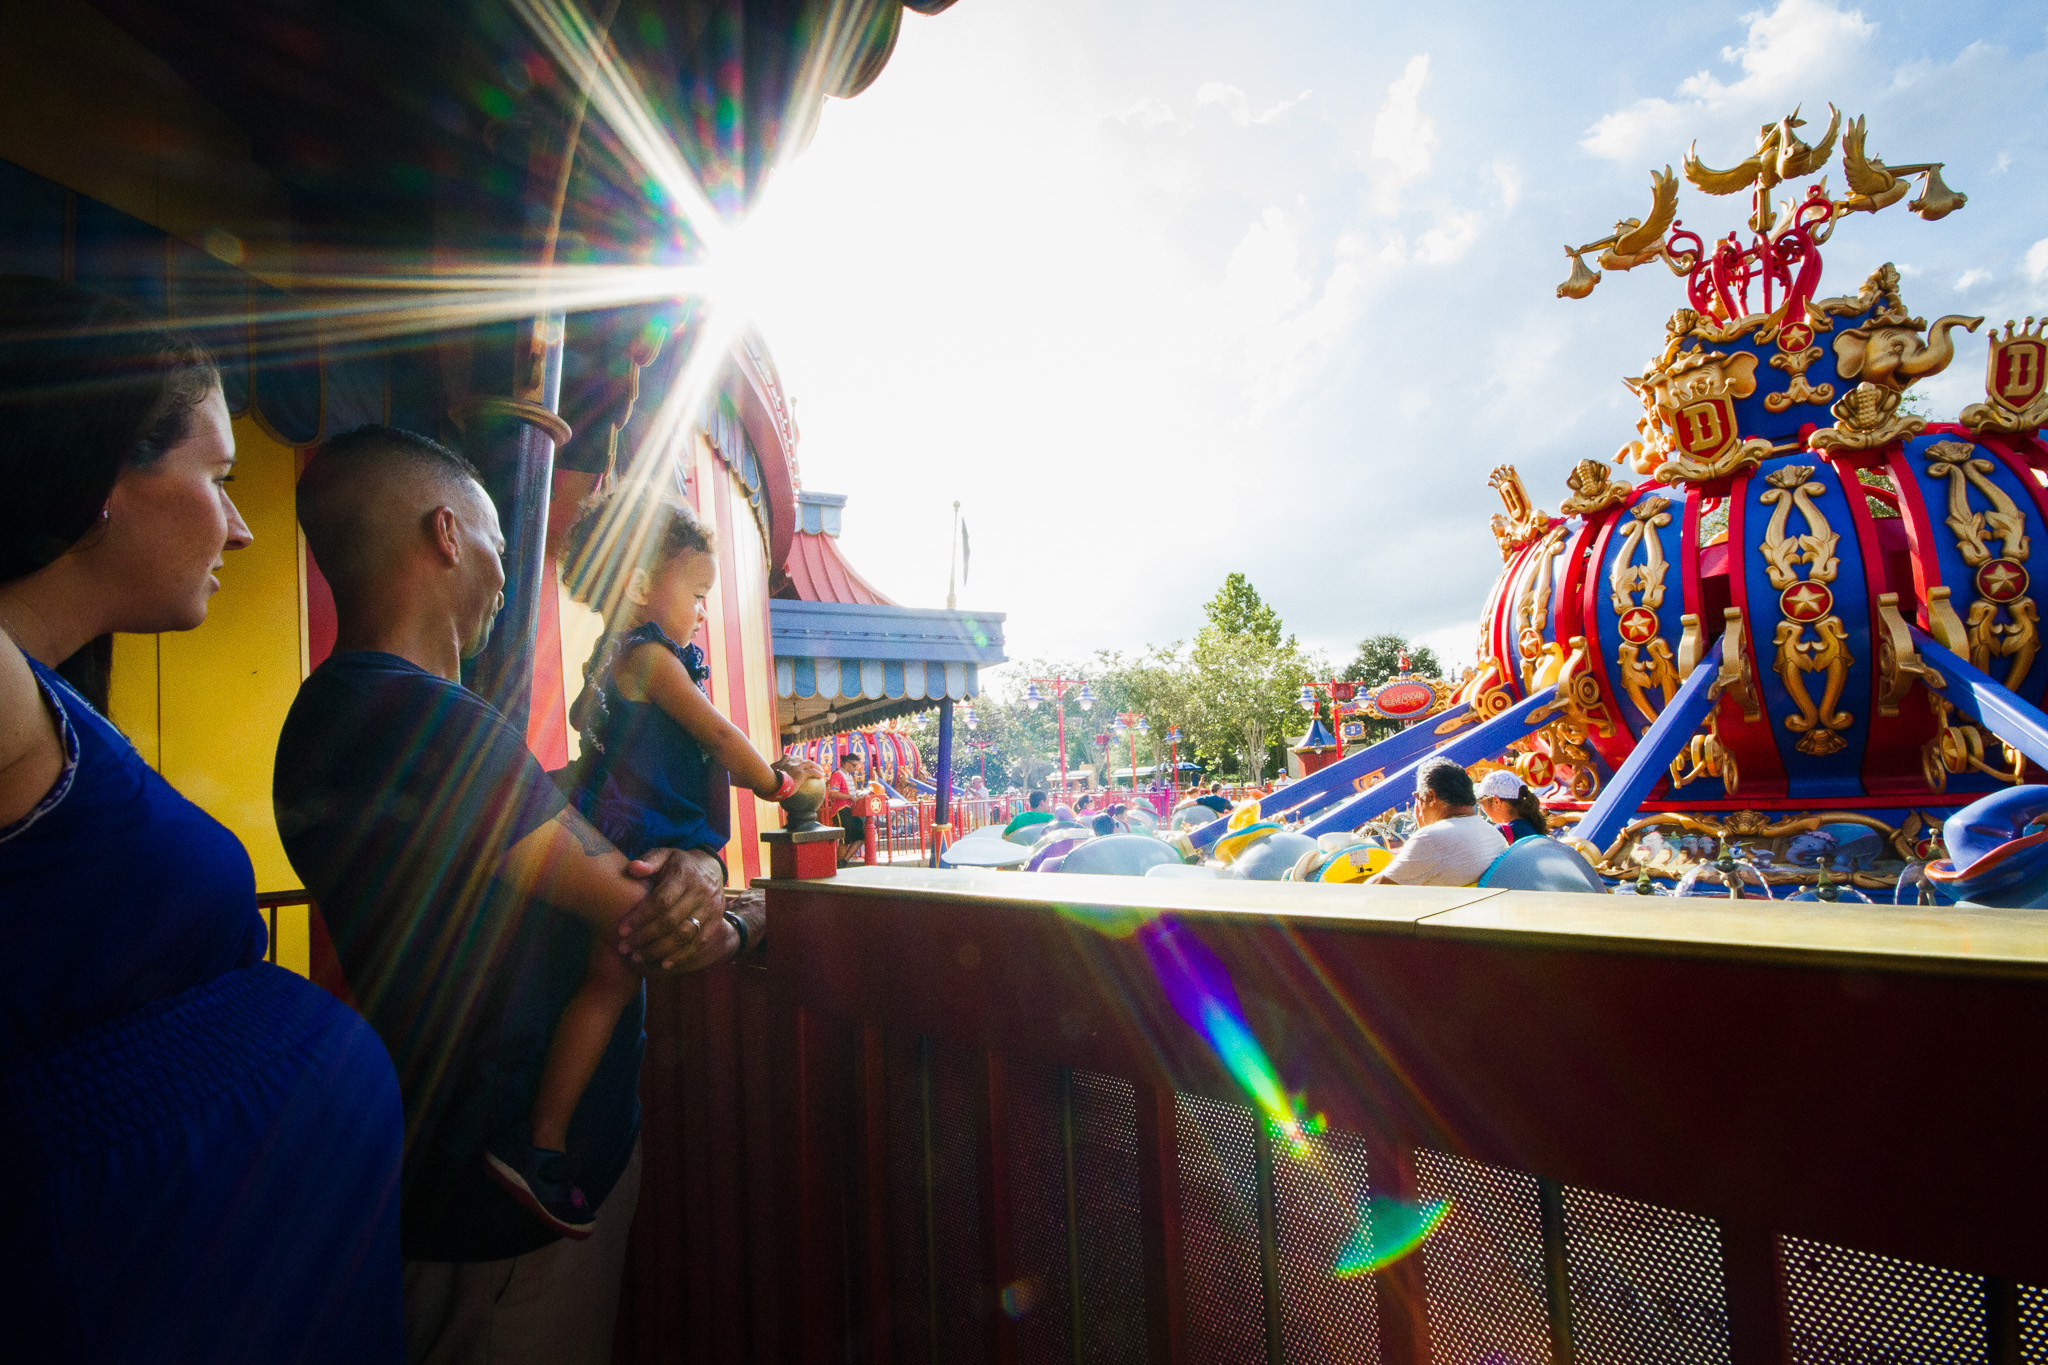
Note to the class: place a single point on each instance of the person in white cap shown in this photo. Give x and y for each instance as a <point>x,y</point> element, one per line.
<point>1453,844</point>
<point>1510,803</point>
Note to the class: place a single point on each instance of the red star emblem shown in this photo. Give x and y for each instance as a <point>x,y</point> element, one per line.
<point>1796,336</point>
<point>1638,625</point>
<point>1536,770</point>
<point>2001,580</point>
<point>1806,602</point>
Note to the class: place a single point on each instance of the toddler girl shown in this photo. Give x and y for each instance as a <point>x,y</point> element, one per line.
<point>653,747</point>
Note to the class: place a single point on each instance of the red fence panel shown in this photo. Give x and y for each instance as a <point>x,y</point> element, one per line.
<point>1003,1130</point>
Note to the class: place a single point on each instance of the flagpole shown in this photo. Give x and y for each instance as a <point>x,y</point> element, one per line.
<point>953,559</point>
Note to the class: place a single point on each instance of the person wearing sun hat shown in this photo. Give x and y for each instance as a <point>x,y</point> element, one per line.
<point>1510,803</point>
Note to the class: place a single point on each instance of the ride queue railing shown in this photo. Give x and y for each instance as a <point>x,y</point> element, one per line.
<point>988,1117</point>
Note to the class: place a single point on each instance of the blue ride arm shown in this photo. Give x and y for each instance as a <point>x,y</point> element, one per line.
<point>1663,741</point>
<point>1482,741</point>
<point>1986,701</point>
<point>1320,788</point>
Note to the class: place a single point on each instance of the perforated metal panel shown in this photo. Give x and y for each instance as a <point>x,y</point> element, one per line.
<point>964,1300</point>
<point>910,1301</point>
<point>1036,1296</point>
<point>1220,1232</point>
<point>1646,1283</point>
<point>1855,1308</point>
<point>1111,1246</point>
<point>2034,1325</point>
<point>1484,1264</point>
<point>1319,1194</point>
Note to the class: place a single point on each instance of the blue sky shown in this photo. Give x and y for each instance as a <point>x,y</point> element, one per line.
<point>1159,291</point>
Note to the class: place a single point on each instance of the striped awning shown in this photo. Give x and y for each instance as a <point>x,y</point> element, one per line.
<point>873,679</point>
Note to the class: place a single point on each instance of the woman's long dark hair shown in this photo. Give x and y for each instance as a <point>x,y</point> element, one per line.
<point>88,387</point>
<point>1528,806</point>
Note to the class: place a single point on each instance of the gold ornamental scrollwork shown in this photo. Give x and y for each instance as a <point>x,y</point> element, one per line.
<point>1906,841</point>
<point>2015,383</point>
<point>1593,489</point>
<point>1806,604</point>
<point>1795,363</point>
<point>1532,610</point>
<point>1485,694</point>
<point>1522,522</point>
<point>2003,622</point>
<point>1644,657</point>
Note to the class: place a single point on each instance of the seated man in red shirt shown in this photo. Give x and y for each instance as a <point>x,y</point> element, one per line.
<point>840,790</point>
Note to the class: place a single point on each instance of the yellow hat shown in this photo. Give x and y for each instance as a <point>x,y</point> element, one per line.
<point>1232,845</point>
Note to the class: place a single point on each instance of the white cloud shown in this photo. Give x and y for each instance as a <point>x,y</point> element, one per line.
<point>1970,279</point>
<point>1448,240</point>
<point>1507,180</point>
<point>1785,52</point>
<point>2003,164</point>
<point>2037,262</point>
<point>1146,113</point>
<point>1402,135</point>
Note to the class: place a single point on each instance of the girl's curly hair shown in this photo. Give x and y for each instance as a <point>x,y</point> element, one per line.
<point>617,530</point>
<point>620,529</point>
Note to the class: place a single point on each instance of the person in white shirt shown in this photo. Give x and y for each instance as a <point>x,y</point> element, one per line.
<point>1454,843</point>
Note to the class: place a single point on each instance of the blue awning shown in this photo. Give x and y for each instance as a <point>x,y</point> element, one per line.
<point>840,665</point>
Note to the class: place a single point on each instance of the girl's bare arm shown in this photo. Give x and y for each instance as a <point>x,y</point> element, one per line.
<point>658,676</point>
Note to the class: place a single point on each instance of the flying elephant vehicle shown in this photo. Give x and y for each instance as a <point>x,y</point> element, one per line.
<point>1797,653</point>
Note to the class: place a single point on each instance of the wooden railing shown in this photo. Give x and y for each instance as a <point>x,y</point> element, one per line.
<point>945,1119</point>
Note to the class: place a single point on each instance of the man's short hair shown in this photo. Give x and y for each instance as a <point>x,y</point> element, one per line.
<point>1037,800</point>
<point>845,759</point>
<point>1449,780</point>
<point>338,496</point>
<point>1102,824</point>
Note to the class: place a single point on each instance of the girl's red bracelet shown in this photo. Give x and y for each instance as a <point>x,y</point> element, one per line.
<point>784,789</point>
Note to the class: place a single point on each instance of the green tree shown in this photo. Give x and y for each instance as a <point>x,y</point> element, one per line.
<point>1241,695</point>
<point>1237,609</point>
<point>1378,659</point>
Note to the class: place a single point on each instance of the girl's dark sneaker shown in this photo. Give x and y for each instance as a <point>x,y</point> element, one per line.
<point>543,1181</point>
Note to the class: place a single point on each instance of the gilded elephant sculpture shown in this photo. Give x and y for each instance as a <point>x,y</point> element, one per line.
<point>1888,351</point>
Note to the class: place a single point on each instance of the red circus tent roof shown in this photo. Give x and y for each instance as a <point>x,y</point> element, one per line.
<point>816,570</point>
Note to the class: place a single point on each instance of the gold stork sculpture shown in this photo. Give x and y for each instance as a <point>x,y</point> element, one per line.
<point>1780,156</point>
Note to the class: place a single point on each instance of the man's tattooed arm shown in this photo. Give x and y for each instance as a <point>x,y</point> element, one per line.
<point>594,845</point>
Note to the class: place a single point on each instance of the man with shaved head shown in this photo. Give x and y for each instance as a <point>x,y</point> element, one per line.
<point>439,853</point>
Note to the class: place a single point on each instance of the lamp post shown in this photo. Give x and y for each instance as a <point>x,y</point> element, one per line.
<point>1083,698</point>
<point>1173,742</point>
<point>981,747</point>
<point>1339,691</point>
<point>1131,724</point>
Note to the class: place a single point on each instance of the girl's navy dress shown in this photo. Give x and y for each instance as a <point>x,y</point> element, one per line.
<point>203,1148</point>
<point>650,784</point>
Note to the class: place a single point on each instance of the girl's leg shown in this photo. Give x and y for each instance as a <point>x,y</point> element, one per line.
<point>581,1036</point>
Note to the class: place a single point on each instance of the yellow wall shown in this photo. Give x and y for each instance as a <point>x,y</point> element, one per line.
<point>205,706</point>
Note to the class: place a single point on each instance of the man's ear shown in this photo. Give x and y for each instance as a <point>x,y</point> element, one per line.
<point>638,584</point>
<point>444,530</point>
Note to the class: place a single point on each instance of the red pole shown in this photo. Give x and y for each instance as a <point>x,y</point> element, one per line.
<point>1059,705</point>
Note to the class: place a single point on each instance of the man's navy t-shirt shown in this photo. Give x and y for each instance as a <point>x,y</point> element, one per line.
<point>397,794</point>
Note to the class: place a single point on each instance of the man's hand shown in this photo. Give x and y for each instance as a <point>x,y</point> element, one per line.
<point>680,925</point>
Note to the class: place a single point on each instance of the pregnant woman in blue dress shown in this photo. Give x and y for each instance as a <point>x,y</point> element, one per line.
<point>203,1149</point>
